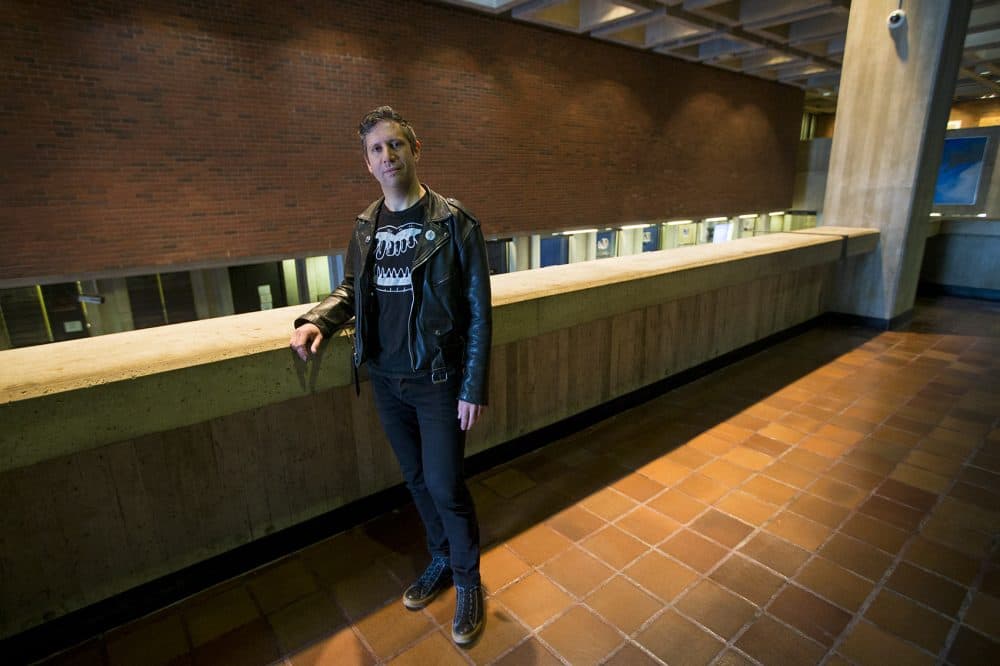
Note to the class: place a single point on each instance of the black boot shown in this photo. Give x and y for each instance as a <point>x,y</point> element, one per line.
<point>470,614</point>
<point>436,577</point>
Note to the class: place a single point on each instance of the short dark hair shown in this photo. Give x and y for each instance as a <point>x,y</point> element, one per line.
<point>375,116</point>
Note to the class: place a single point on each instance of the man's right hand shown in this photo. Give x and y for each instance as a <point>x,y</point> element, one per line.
<point>306,340</point>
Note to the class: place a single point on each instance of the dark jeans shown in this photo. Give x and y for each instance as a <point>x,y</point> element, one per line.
<point>421,420</point>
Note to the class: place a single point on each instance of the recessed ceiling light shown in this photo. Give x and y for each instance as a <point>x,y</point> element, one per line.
<point>935,214</point>
<point>986,73</point>
<point>826,93</point>
<point>980,214</point>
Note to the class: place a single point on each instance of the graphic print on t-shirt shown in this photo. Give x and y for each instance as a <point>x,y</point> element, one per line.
<point>396,237</point>
<point>393,254</point>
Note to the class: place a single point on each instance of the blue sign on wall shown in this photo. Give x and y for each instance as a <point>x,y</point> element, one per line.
<point>651,238</point>
<point>960,171</point>
<point>606,244</point>
<point>555,251</point>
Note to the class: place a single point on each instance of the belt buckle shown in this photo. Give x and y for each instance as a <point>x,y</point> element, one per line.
<point>439,376</point>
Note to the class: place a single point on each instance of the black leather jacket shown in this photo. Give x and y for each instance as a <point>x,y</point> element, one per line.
<point>450,326</point>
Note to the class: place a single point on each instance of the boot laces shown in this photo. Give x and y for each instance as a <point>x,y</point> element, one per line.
<point>432,573</point>
<point>467,601</point>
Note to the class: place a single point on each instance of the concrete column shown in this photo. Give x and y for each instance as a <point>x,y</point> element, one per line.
<point>631,242</point>
<point>213,295</point>
<point>895,94</point>
<point>318,279</point>
<point>4,335</point>
<point>115,313</point>
<point>580,247</point>
<point>523,246</point>
<point>812,166</point>
<point>292,276</point>
<point>590,246</point>
<point>671,235</point>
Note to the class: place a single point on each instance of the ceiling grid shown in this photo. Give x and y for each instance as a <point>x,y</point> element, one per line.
<point>795,42</point>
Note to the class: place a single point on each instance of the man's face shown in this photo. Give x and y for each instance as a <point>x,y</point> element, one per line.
<point>389,156</point>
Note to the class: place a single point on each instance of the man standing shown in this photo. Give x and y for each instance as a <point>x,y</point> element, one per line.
<point>418,287</point>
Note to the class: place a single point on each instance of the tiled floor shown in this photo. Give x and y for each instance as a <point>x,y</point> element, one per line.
<point>833,500</point>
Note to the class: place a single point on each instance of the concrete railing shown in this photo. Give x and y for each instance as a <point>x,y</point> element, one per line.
<point>963,254</point>
<point>126,457</point>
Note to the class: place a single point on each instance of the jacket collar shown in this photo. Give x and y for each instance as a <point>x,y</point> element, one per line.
<point>437,208</point>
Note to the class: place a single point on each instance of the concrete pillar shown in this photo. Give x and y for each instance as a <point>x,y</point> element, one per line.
<point>582,247</point>
<point>672,235</point>
<point>590,246</point>
<point>114,315</point>
<point>4,335</point>
<point>292,277</point>
<point>631,241</point>
<point>812,166</point>
<point>213,295</point>
<point>522,253</point>
<point>318,278</point>
<point>895,93</point>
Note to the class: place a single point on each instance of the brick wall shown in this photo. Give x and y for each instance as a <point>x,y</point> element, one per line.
<point>141,134</point>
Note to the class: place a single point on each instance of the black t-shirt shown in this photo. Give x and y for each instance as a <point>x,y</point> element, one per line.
<point>396,235</point>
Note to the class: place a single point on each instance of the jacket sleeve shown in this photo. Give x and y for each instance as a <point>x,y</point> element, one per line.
<point>337,309</point>
<point>478,339</point>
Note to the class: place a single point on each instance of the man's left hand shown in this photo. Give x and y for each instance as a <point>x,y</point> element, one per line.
<point>468,414</point>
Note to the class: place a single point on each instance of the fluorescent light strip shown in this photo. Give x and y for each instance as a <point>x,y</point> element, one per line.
<point>579,231</point>
<point>679,222</point>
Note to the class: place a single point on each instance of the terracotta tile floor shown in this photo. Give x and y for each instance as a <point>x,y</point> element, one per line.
<point>833,499</point>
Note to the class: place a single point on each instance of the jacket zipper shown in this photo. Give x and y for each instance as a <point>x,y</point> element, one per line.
<point>410,322</point>
<point>357,336</point>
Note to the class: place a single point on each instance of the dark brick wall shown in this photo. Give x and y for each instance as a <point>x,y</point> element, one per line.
<point>138,134</point>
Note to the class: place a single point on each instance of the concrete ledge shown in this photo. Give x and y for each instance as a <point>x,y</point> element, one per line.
<point>971,227</point>
<point>130,457</point>
<point>963,255</point>
<point>68,397</point>
<point>855,240</point>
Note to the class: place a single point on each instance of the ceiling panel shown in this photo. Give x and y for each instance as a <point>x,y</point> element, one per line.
<point>797,42</point>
